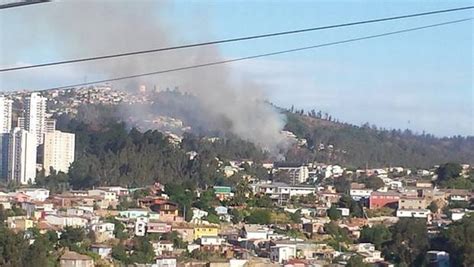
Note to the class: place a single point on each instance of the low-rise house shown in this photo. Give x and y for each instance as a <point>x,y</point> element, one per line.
<point>158,227</point>
<point>140,226</point>
<point>63,221</point>
<point>412,203</point>
<point>19,223</point>
<point>36,194</point>
<point>255,231</point>
<point>459,194</point>
<point>163,247</point>
<point>282,252</point>
<point>118,190</point>
<point>414,213</point>
<point>437,258</point>
<point>104,251</point>
<point>223,192</point>
<point>205,230</point>
<point>186,232</point>
<point>210,241</point>
<point>359,192</point>
<point>384,199</point>
<point>168,210</point>
<point>221,211</point>
<point>103,231</point>
<point>369,253</point>
<point>163,261</point>
<point>74,259</point>
<point>133,213</point>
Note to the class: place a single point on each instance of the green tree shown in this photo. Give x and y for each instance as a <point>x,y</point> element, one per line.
<point>448,171</point>
<point>409,242</point>
<point>39,253</point>
<point>119,252</point>
<point>71,237</point>
<point>460,241</point>
<point>333,213</point>
<point>143,251</point>
<point>433,207</point>
<point>356,261</point>
<point>377,235</point>
<point>259,216</point>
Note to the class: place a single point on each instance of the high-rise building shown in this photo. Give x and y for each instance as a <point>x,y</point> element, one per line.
<point>4,141</point>
<point>5,115</point>
<point>49,125</point>
<point>35,114</point>
<point>58,151</point>
<point>21,156</point>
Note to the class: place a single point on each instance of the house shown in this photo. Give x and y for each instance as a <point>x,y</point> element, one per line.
<point>140,226</point>
<point>223,192</point>
<point>459,194</point>
<point>162,261</point>
<point>198,215</point>
<point>412,203</point>
<point>20,223</point>
<point>205,230</point>
<point>106,195</point>
<point>36,194</point>
<point>221,211</point>
<point>437,258</point>
<point>158,227</point>
<point>281,192</point>
<point>103,231</point>
<point>368,252</point>
<point>282,252</point>
<point>74,259</point>
<point>185,232</point>
<point>104,251</point>
<point>384,199</point>
<point>255,231</point>
<point>133,213</point>
<point>163,247</point>
<point>210,241</point>
<point>168,210</point>
<point>63,221</point>
<point>413,213</point>
<point>359,192</point>
<point>118,190</point>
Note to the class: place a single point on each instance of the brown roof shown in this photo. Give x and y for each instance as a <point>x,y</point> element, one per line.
<point>71,255</point>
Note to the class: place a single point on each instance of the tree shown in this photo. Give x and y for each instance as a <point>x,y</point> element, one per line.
<point>71,236</point>
<point>356,261</point>
<point>295,217</point>
<point>409,242</point>
<point>448,171</point>
<point>460,241</point>
<point>259,216</point>
<point>143,251</point>
<point>119,252</point>
<point>377,235</point>
<point>433,207</point>
<point>333,213</point>
<point>38,254</point>
<point>13,247</point>
<point>373,182</point>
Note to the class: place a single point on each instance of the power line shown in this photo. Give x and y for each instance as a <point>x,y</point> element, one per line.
<point>260,55</point>
<point>13,4</point>
<point>237,39</point>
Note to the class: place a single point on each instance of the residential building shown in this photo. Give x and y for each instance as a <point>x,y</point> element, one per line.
<point>5,115</point>
<point>35,110</point>
<point>163,261</point>
<point>359,192</point>
<point>74,259</point>
<point>298,174</point>
<point>58,151</point>
<point>163,247</point>
<point>412,203</point>
<point>205,230</point>
<point>104,251</point>
<point>255,231</point>
<point>383,199</point>
<point>21,157</point>
<point>223,192</point>
<point>437,258</point>
<point>413,213</point>
<point>158,227</point>
<point>282,252</point>
<point>36,194</point>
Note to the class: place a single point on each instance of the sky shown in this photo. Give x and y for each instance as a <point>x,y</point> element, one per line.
<point>420,80</point>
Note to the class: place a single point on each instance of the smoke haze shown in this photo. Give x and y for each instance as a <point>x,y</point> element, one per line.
<point>77,29</point>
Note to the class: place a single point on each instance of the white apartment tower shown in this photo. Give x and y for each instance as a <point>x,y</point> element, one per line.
<point>58,151</point>
<point>35,113</point>
<point>21,156</point>
<point>5,115</point>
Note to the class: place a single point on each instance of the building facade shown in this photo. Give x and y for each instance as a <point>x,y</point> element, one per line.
<point>35,113</point>
<point>21,157</point>
<point>5,115</point>
<point>58,152</point>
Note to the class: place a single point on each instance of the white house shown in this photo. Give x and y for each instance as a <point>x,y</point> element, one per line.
<point>282,252</point>
<point>420,213</point>
<point>104,251</point>
<point>165,262</point>
<point>255,231</point>
<point>162,247</point>
<point>360,193</point>
<point>36,194</point>
<point>63,221</point>
<point>211,241</point>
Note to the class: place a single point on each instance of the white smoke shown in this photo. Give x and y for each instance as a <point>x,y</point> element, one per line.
<point>72,29</point>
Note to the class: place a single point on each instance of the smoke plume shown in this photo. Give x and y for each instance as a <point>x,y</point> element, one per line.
<point>71,29</point>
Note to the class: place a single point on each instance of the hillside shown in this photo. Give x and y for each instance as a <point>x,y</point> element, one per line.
<point>357,146</point>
